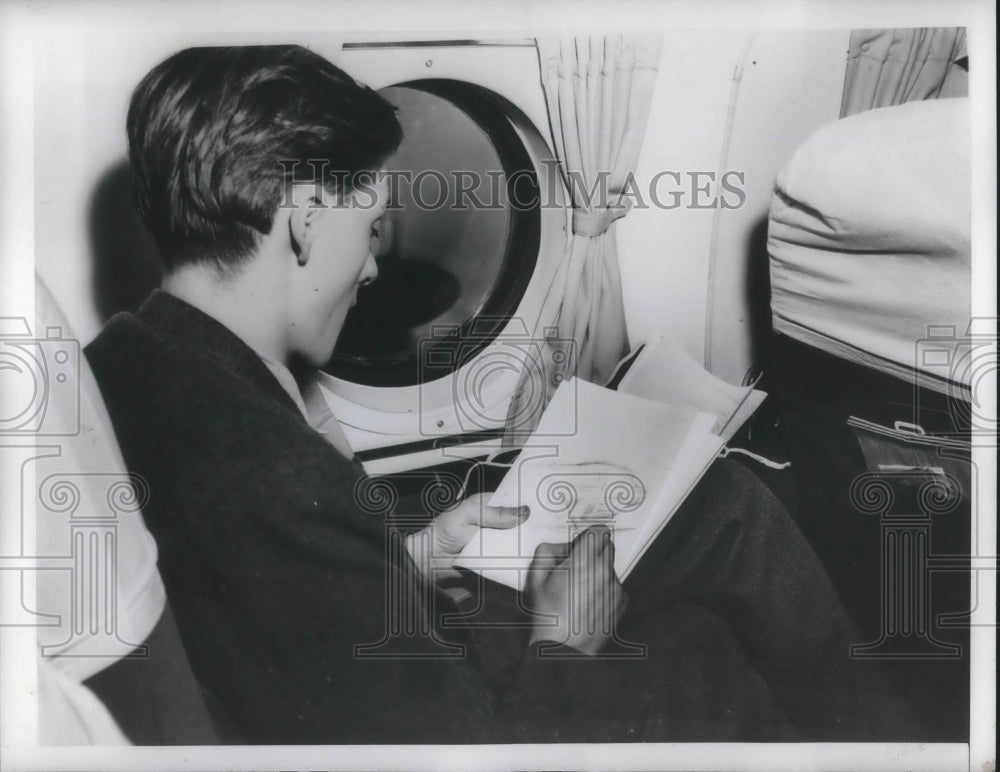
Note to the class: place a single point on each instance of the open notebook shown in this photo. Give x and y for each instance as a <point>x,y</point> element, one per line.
<point>626,459</point>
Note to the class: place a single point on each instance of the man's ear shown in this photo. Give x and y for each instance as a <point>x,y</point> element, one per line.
<point>302,222</point>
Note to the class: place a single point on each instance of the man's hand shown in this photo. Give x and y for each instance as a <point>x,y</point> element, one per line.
<point>577,585</point>
<point>435,548</point>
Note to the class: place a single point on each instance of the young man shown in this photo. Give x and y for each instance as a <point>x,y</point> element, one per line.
<point>277,574</point>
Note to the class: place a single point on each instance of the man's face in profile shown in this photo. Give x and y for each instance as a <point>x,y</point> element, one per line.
<point>339,257</point>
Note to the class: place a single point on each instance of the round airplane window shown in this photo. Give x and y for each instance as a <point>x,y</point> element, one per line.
<point>457,246</point>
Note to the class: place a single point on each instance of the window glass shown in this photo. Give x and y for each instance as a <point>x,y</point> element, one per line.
<point>450,248</point>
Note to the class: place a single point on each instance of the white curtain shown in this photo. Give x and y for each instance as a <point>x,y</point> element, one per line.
<point>891,66</point>
<point>598,92</point>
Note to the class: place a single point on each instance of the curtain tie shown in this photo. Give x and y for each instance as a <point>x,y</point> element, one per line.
<point>597,221</point>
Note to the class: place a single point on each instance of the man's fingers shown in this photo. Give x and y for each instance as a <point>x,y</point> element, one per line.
<point>502,517</point>
<point>600,534</point>
<point>549,550</point>
<point>473,505</point>
<point>477,513</point>
<point>593,560</point>
<point>608,544</point>
<point>549,555</point>
<point>590,545</point>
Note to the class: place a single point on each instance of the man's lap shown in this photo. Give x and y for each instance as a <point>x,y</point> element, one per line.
<point>685,675</point>
<point>736,616</point>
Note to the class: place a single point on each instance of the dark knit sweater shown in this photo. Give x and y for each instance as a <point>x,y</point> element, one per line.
<point>274,572</point>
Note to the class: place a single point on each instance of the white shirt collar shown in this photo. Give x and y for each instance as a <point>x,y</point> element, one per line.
<point>284,376</point>
<point>320,417</point>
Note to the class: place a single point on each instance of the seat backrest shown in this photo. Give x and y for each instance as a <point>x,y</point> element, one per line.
<point>86,499</point>
<point>105,621</point>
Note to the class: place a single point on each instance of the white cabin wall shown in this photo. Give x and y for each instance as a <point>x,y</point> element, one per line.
<point>791,84</point>
<point>662,251</point>
<point>70,155</point>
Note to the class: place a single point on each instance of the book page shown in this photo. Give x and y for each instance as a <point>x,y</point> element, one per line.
<point>597,456</point>
<point>699,452</point>
<point>664,372</point>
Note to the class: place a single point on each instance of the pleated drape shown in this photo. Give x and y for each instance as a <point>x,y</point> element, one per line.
<point>598,92</point>
<point>891,66</point>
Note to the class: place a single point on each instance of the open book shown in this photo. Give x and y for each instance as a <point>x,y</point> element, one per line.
<point>664,372</point>
<point>626,459</point>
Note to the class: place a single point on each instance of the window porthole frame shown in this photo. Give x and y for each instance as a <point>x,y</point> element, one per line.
<point>452,346</point>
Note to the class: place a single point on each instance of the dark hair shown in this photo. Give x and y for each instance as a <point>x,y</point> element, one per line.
<point>214,134</point>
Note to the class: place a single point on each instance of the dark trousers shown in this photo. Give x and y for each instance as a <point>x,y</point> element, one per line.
<point>733,631</point>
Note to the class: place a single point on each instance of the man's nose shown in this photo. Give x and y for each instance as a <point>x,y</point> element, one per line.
<point>370,271</point>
